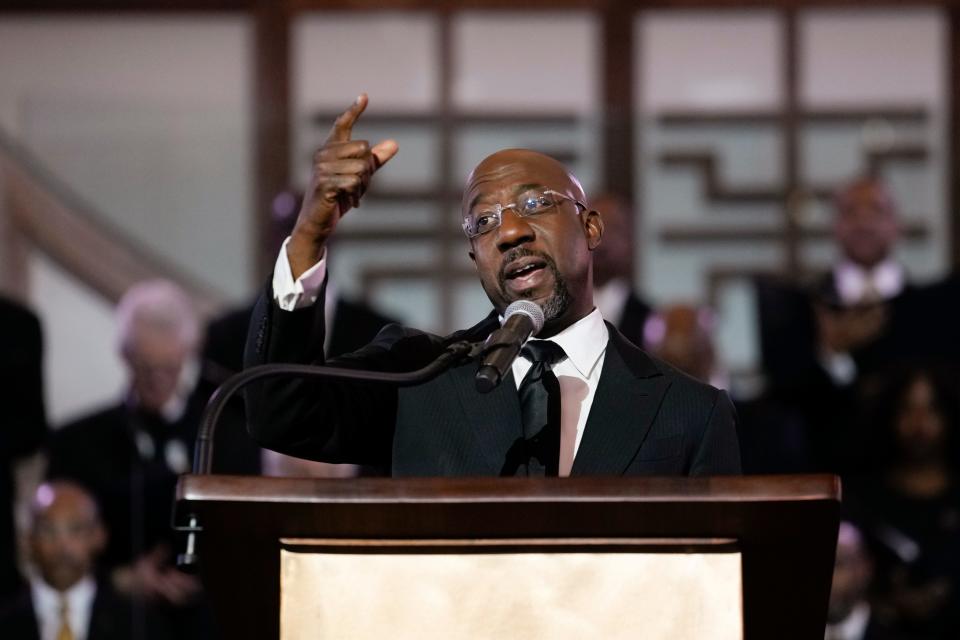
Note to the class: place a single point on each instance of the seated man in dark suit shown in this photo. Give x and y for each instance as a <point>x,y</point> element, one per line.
<point>130,454</point>
<point>65,599</point>
<point>593,403</point>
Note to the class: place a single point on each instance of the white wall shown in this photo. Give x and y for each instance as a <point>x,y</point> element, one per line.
<point>147,118</point>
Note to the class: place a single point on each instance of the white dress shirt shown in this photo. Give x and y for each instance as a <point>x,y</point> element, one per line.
<point>584,342</point>
<point>856,284</point>
<point>47,602</point>
<point>852,627</point>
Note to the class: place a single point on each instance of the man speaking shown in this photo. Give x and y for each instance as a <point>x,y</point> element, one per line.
<point>579,400</point>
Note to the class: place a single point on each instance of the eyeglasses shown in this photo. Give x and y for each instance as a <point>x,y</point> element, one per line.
<point>486,219</point>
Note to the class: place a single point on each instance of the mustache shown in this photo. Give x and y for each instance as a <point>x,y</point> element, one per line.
<point>522,252</point>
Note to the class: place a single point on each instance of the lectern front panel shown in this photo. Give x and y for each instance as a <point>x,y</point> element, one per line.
<point>528,589</point>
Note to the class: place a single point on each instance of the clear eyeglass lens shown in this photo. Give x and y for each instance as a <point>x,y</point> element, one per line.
<point>531,205</point>
<point>484,222</point>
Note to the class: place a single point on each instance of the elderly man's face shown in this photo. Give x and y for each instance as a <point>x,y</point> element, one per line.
<point>155,358</point>
<point>866,227</point>
<point>66,536</point>
<point>544,258</point>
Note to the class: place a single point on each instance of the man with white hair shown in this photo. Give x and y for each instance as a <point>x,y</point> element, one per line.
<point>130,454</point>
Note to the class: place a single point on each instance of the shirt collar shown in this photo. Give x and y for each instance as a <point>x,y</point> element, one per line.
<point>853,626</point>
<point>886,277</point>
<point>47,599</point>
<point>584,342</point>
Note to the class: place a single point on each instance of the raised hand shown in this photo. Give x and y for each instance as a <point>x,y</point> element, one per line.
<point>342,169</point>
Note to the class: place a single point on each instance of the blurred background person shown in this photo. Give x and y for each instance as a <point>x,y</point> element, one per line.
<point>613,290</point>
<point>682,335</point>
<point>850,302</point>
<point>849,614</point>
<point>24,421</point>
<point>826,347</point>
<point>909,499</point>
<point>129,455</point>
<point>66,598</point>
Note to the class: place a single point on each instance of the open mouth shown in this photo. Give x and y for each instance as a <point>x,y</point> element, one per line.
<point>523,267</point>
<point>525,272</point>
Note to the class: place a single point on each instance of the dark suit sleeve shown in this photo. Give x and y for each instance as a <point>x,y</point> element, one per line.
<point>322,418</point>
<point>718,452</point>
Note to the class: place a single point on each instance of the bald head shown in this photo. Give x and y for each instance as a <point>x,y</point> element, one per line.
<point>503,163</point>
<point>540,235</point>
<point>66,533</point>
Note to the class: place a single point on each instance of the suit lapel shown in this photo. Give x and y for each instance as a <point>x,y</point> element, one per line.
<point>493,418</point>
<point>624,407</point>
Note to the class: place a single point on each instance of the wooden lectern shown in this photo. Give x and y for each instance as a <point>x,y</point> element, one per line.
<point>723,557</point>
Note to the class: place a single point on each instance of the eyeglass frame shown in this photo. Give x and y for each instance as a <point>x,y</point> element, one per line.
<point>498,210</point>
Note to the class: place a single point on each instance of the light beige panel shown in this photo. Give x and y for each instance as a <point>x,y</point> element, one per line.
<point>533,596</point>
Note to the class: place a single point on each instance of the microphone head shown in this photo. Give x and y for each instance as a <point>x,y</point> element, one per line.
<point>529,309</point>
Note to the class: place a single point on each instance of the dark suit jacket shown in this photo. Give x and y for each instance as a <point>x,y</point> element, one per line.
<point>920,330</point>
<point>646,418</point>
<point>354,325</point>
<point>135,492</point>
<point>24,425</point>
<point>634,318</point>
<point>111,618</point>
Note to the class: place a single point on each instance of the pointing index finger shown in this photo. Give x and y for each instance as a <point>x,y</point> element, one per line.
<point>343,125</point>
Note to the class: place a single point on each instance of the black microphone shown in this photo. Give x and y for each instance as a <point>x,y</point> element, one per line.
<point>521,320</point>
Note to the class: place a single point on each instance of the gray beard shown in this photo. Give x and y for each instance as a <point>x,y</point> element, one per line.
<point>559,300</point>
<point>558,303</point>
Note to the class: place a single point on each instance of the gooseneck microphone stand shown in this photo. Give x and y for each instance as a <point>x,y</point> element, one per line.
<point>455,353</point>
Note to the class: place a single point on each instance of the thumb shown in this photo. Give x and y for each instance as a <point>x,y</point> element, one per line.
<point>383,151</point>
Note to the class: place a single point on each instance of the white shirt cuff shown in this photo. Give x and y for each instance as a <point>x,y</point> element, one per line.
<point>303,292</point>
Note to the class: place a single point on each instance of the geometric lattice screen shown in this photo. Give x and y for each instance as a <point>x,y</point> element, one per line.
<point>740,152</point>
<point>736,153</point>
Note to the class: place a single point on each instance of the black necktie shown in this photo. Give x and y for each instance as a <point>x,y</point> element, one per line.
<point>540,407</point>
